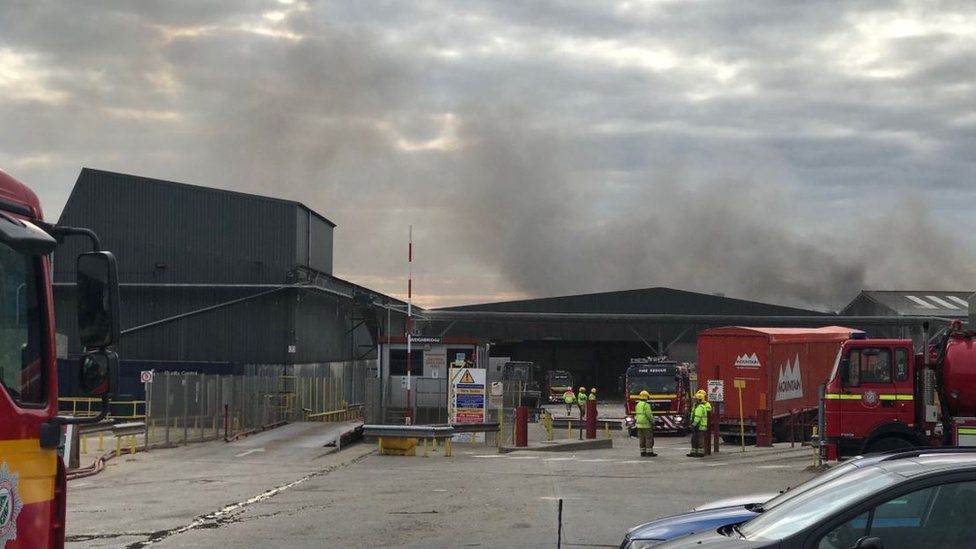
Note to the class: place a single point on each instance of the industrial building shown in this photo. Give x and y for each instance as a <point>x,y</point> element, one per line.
<point>213,279</point>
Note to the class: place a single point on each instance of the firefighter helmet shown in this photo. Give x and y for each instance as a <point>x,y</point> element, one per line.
<point>700,395</point>
<point>644,395</point>
<point>593,390</point>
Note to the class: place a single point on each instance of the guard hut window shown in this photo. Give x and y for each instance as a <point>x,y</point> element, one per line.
<point>21,366</point>
<point>398,362</point>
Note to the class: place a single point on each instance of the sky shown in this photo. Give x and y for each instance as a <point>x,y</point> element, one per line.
<point>789,152</point>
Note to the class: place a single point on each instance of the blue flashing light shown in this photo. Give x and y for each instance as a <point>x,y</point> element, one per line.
<point>859,335</point>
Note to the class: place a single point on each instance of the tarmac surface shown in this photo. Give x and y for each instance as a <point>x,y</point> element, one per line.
<point>283,487</point>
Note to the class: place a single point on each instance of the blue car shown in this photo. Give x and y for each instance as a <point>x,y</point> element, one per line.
<point>711,517</point>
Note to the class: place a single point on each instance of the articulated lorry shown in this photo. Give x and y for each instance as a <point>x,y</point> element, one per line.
<point>32,476</point>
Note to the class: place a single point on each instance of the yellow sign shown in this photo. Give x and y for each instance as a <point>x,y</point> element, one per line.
<point>739,383</point>
<point>466,378</point>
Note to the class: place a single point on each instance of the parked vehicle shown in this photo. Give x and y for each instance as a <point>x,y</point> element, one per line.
<point>782,369</point>
<point>913,500</point>
<point>882,395</point>
<point>668,384</point>
<point>33,485</point>
<point>557,383</point>
<point>523,376</point>
<point>738,509</point>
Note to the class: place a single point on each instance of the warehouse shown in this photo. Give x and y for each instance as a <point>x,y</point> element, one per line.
<point>212,279</point>
<point>947,305</point>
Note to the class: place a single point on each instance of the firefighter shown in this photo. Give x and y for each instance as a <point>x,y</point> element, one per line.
<point>699,423</point>
<point>581,401</point>
<point>569,397</point>
<point>592,393</point>
<point>644,417</point>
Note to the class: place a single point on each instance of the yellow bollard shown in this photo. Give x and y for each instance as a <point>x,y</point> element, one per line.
<point>132,444</point>
<point>101,448</point>
<point>435,445</point>
<point>118,447</point>
<point>606,427</point>
<point>379,445</point>
<point>569,428</point>
<point>84,444</point>
<point>447,447</point>
<point>425,447</point>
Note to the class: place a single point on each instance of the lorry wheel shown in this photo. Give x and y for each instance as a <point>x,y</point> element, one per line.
<point>887,444</point>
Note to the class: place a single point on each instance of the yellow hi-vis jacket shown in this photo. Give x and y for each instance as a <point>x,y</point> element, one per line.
<point>699,417</point>
<point>569,397</point>
<point>643,414</point>
<point>581,399</point>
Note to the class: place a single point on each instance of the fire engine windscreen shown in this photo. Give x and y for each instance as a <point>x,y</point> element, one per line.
<point>659,384</point>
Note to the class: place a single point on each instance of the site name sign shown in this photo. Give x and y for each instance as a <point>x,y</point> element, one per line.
<point>468,400</point>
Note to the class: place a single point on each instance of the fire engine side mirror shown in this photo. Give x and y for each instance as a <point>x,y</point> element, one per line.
<point>97,290</point>
<point>99,373</point>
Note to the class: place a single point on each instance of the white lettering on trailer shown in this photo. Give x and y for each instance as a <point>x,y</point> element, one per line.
<point>790,383</point>
<point>747,361</point>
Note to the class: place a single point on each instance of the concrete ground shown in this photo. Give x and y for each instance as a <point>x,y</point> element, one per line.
<point>282,487</point>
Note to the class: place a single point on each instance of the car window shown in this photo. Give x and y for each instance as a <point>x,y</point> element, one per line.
<point>816,504</point>
<point>827,476</point>
<point>937,516</point>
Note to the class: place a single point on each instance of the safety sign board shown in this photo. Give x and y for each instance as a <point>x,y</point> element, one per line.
<point>146,376</point>
<point>467,400</point>
<point>716,390</point>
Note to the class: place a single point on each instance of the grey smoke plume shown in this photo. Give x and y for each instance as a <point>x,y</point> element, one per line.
<point>532,155</point>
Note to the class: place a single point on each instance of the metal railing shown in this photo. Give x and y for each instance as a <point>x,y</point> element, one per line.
<point>89,407</point>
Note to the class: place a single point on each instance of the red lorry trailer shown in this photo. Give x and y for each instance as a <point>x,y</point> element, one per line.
<point>884,396</point>
<point>782,370</point>
<point>32,476</point>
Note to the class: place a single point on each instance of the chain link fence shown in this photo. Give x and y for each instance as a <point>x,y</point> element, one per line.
<point>192,406</point>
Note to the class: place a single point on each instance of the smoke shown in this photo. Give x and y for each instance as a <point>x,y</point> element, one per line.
<point>524,173</point>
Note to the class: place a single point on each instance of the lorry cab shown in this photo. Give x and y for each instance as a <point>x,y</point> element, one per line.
<point>32,477</point>
<point>870,399</point>
<point>668,384</point>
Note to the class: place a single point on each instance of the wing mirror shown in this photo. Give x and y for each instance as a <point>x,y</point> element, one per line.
<point>99,373</point>
<point>868,542</point>
<point>98,299</point>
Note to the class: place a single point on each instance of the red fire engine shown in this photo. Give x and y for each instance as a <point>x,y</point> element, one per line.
<point>667,383</point>
<point>883,396</point>
<point>32,476</point>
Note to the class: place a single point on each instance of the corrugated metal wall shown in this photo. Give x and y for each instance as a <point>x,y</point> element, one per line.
<point>169,232</point>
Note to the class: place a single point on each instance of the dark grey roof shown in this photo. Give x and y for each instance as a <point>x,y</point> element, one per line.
<point>911,303</point>
<point>93,173</point>
<point>643,301</point>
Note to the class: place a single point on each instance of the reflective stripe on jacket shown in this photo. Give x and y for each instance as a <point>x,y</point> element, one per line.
<point>699,418</point>
<point>642,415</point>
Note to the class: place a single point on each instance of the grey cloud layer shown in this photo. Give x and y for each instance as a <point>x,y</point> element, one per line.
<point>788,152</point>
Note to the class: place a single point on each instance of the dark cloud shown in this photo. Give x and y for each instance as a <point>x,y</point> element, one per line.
<point>794,152</point>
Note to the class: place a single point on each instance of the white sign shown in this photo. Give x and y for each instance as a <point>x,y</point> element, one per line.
<point>747,361</point>
<point>497,388</point>
<point>146,376</point>
<point>716,390</point>
<point>790,384</point>
<point>435,364</point>
<point>292,349</point>
<point>467,400</point>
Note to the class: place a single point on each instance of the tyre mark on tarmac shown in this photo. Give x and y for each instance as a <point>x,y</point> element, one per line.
<point>230,514</point>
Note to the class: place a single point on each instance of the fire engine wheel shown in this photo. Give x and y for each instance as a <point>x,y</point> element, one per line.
<point>886,444</point>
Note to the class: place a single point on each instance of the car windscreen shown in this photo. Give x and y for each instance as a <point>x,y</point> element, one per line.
<point>660,384</point>
<point>816,504</point>
<point>827,476</point>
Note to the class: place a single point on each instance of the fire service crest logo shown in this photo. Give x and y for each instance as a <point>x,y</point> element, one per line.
<point>790,383</point>
<point>870,399</point>
<point>10,504</point>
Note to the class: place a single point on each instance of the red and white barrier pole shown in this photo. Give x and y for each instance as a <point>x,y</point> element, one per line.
<point>409,414</point>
